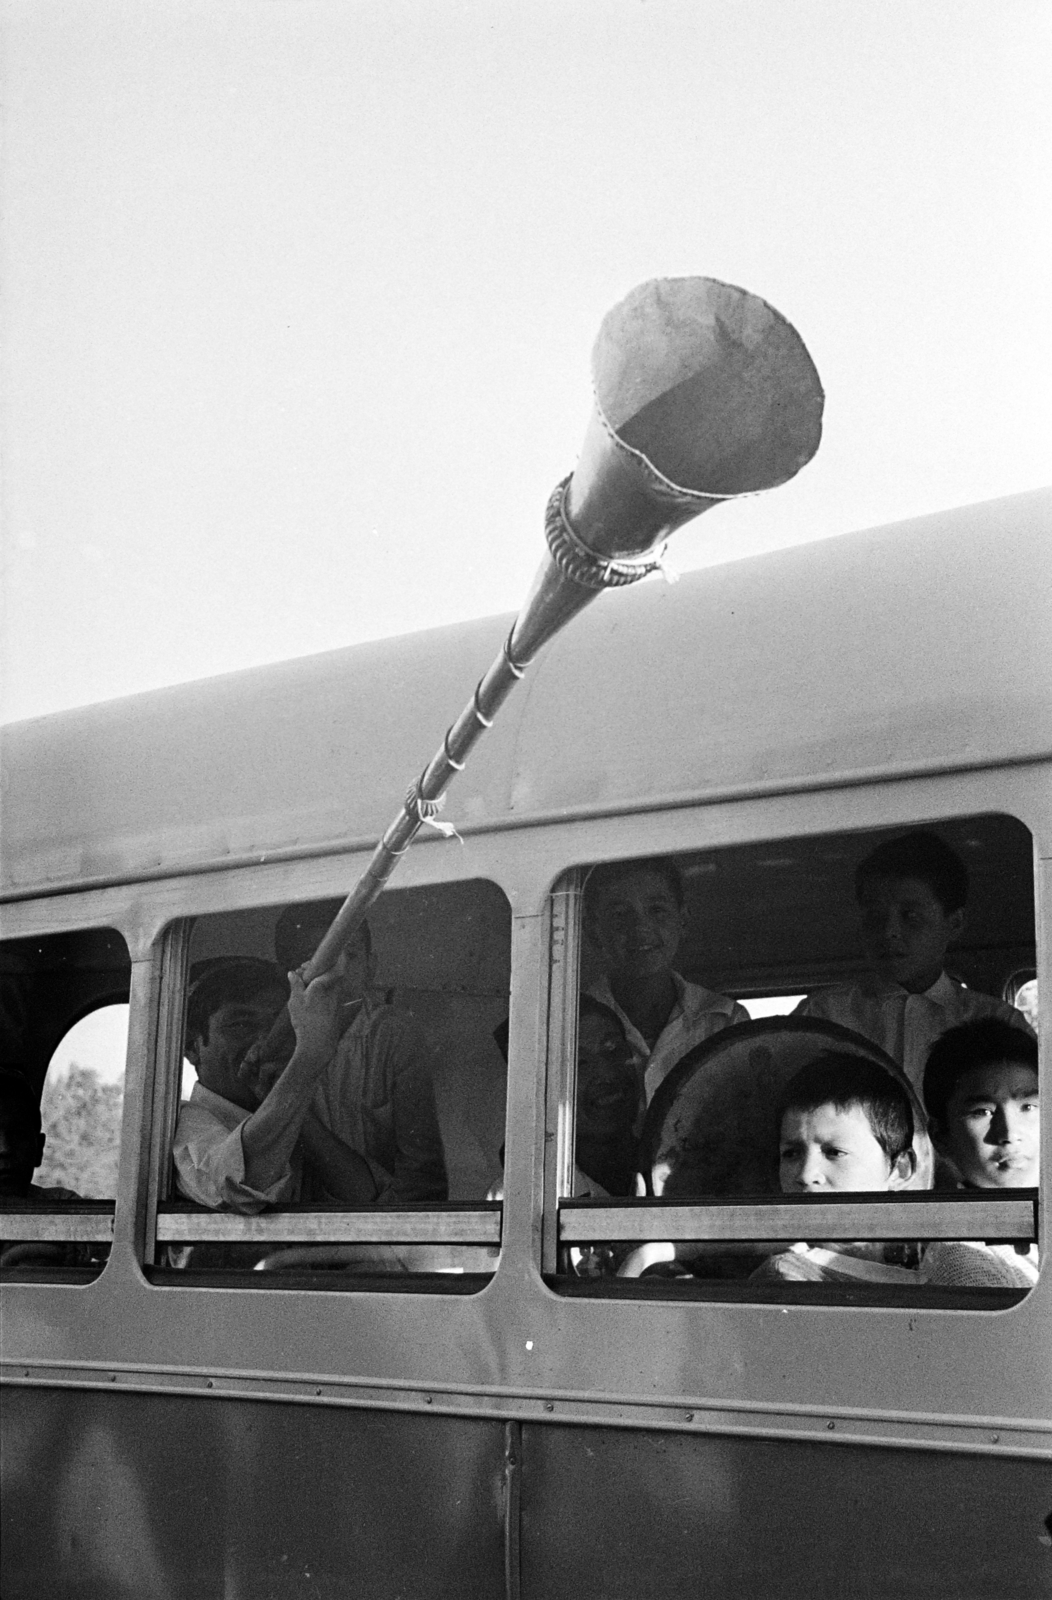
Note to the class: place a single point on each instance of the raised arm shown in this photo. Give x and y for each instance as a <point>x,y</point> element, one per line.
<point>269,1135</point>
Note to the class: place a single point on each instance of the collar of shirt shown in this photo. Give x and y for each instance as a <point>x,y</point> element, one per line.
<point>694,999</point>
<point>943,991</point>
<point>692,1002</point>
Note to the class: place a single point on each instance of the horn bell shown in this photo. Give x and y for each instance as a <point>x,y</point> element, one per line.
<point>703,393</point>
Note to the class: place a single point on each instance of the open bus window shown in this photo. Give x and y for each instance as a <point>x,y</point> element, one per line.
<point>356,1129</point>
<point>63,1020</point>
<point>778,1004</point>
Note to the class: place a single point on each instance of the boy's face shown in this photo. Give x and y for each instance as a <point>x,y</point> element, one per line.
<point>834,1147</point>
<point>906,930</point>
<point>638,924</point>
<point>232,1028</point>
<point>992,1126</point>
<point>21,1152</point>
<point>607,1086</point>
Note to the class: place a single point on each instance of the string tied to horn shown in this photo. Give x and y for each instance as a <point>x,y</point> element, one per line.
<point>576,561</point>
<point>426,812</point>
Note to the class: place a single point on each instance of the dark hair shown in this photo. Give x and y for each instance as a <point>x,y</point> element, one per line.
<point>591,1007</point>
<point>967,1047</point>
<point>19,1099</point>
<point>922,855</point>
<point>223,981</point>
<point>839,1078</point>
<point>611,872</point>
<point>290,950</point>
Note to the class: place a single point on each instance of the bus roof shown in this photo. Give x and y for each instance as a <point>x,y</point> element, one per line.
<point>923,646</point>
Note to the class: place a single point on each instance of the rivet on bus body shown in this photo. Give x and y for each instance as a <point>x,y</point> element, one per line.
<point>548,1406</point>
<point>427,1399</point>
<point>830,1426</point>
<point>690,1416</point>
<point>210,1384</point>
<point>995,1438</point>
<point>113,1377</point>
<point>317,1391</point>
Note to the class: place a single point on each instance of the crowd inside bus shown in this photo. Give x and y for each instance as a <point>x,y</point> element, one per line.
<point>321,1092</point>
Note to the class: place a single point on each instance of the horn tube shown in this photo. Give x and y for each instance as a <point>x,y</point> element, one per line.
<point>703,393</point>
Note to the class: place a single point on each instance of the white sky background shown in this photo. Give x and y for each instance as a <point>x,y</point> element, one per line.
<point>299,297</point>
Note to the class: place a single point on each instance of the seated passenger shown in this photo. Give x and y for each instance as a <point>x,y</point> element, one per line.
<point>605,1151</point>
<point>21,1152</point>
<point>377,1095</point>
<point>635,912</point>
<point>240,1140</point>
<point>911,893</point>
<point>22,1143</point>
<point>845,1126</point>
<point>981,1093</point>
<point>606,1106</point>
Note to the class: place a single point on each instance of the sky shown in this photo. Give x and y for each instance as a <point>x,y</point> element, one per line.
<point>299,295</point>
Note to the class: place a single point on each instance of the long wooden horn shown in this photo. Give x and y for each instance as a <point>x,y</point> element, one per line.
<point>703,393</point>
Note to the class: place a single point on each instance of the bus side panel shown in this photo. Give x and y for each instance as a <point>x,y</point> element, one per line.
<point>136,1497</point>
<point>617,1514</point>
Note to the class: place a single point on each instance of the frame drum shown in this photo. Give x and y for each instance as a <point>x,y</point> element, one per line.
<point>710,1128</point>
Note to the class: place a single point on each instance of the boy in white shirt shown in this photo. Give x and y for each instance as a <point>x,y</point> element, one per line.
<point>846,1126</point>
<point>911,894</point>
<point>981,1093</point>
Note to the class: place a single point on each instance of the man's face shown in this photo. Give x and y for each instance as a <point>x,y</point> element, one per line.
<point>906,930</point>
<point>833,1148</point>
<point>638,924</point>
<point>607,1086</point>
<point>992,1126</point>
<point>231,1030</point>
<point>21,1152</point>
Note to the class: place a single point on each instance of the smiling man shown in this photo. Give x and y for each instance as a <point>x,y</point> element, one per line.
<point>636,915</point>
<point>241,1139</point>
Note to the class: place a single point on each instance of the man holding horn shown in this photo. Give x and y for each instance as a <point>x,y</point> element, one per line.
<point>337,1108</point>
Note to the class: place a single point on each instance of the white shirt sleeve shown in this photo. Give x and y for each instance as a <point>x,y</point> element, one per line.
<point>210,1164</point>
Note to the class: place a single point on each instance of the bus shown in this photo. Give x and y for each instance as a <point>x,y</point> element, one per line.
<point>471,1396</point>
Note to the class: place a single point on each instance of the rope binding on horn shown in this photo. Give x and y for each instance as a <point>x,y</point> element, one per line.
<point>582,565</point>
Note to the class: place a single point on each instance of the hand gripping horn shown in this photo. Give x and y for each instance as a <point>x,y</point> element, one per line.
<point>703,393</point>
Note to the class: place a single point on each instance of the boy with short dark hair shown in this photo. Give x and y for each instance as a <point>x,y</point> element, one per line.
<point>981,1093</point>
<point>846,1125</point>
<point>911,893</point>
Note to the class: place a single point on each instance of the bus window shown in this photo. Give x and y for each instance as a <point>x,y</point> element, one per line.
<point>63,1018</point>
<point>355,1129</point>
<point>796,1113</point>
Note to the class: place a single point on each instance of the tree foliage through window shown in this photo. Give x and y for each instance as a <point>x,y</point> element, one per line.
<point>81,1116</point>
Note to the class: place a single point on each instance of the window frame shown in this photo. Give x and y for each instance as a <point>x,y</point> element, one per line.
<point>1009,1217</point>
<point>473,1229</point>
<point>86,1220</point>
